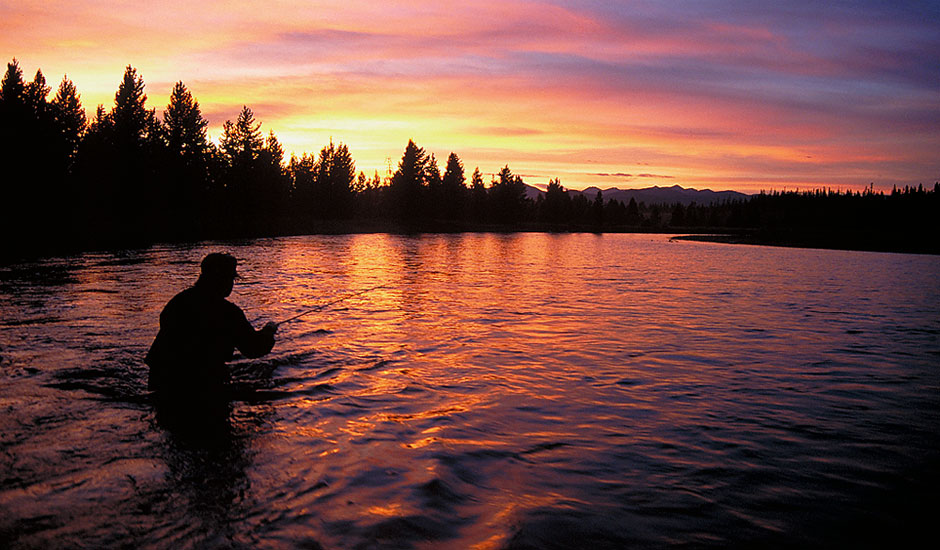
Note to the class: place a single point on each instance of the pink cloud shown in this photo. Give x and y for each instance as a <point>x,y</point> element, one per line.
<point>569,88</point>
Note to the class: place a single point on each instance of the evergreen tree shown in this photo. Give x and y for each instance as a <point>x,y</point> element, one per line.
<point>70,118</point>
<point>323,181</point>
<point>242,145</point>
<point>333,174</point>
<point>434,195</point>
<point>655,217</point>
<point>36,93</point>
<point>342,174</point>
<point>241,140</point>
<point>30,140</point>
<point>677,219</point>
<point>433,172</point>
<point>273,153</point>
<point>615,212</point>
<point>185,126</point>
<point>305,202</point>
<point>453,189</point>
<point>409,183</point>
<point>361,183</point>
<point>130,117</point>
<point>633,213</point>
<point>369,198</point>
<point>598,208</point>
<point>507,197</point>
<point>65,126</point>
<point>15,116</point>
<point>476,180</point>
<point>556,207</point>
<point>116,168</point>
<point>16,128</point>
<point>13,88</point>
<point>275,184</point>
<point>40,136</point>
<point>185,185</point>
<point>478,197</point>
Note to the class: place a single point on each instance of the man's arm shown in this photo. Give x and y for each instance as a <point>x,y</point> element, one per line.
<point>252,343</point>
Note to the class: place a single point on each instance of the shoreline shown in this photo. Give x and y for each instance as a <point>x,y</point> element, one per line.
<point>833,240</point>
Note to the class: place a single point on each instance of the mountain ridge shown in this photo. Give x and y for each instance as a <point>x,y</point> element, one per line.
<point>650,195</point>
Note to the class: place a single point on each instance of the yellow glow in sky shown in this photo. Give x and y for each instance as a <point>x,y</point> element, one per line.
<point>626,94</point>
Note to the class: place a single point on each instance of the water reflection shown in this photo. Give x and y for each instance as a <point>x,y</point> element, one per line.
<point>504,391</point>
<point>205,495</point>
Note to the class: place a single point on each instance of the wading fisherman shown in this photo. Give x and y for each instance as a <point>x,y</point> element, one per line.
<point>199,331</point>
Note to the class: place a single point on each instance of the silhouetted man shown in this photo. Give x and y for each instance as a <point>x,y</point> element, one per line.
<point>199,331</point>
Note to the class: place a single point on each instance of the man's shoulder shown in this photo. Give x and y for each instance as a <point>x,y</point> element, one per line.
<point>183,301</point>
<point>232,310</point>
<point>185,295</point>
<point>194,301</point>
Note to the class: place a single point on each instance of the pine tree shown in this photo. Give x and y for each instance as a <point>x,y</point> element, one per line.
<point>66,121</point>
<point>303,191</point>
<point>478,197</point>
<point>36,93</point>
<point>454,177</point>
<point>124,179</point>
<point>15,115</point>
<point>273,153</point>
<point>633,213</point>
<point>434,196</point>
<point>597,208</point>
<point>15,126</point>
<point>241,147</point>
<point>273,185</point>
<point>241,140</point>
<point>557,205</point>
<point>70,118</point>
<point>334,174</point>
<point>507,197</point>
<point>186,184</point>
<point>185,126</point>
<point>130,116</point>
<point>454,188</point>
<point>13,88</point>
<point>677,219</point>
<point>342,175</point>
<point>409,183</point>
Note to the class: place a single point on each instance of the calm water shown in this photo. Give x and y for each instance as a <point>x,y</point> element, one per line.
<point>503,391</point>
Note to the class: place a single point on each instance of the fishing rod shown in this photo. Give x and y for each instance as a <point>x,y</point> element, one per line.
<point>336,301</point>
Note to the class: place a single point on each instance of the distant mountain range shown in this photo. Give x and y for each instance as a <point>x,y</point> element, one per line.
<point>651,195</point>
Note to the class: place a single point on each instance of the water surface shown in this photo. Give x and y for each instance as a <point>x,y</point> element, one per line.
<point>502,391</point>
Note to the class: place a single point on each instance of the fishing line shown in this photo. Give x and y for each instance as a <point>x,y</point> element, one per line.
<point>330,303</point>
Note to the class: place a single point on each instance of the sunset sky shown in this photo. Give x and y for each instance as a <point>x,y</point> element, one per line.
<point>739,95</point>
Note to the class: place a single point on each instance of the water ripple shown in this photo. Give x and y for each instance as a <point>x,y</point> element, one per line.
<point>503,391</point>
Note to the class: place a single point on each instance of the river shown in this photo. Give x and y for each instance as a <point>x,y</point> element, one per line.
<point>500,391</point>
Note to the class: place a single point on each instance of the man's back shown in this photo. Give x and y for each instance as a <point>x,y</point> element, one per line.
<point>199,332</point>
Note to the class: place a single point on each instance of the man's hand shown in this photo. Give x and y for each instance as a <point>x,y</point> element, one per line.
<point>269,329</point>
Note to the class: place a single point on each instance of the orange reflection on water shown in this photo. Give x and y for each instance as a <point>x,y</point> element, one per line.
<point>391,509</point>
<point>424,414</point>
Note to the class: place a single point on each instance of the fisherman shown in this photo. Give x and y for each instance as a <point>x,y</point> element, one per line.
<point>199,331</point>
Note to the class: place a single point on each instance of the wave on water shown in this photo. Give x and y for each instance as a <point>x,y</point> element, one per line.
<point>504,391</point>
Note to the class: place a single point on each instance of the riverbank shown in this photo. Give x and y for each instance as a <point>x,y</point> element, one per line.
<point>833,239</point>
<point>830,240</point>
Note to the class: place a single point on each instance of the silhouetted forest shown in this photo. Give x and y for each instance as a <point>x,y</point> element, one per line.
<point>128,177</point>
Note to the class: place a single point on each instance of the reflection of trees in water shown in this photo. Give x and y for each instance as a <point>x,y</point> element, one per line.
<point>207,456</point>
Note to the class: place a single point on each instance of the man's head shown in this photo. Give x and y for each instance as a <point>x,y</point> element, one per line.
<point>218,273</point>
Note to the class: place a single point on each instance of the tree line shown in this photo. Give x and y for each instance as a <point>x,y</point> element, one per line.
<point>127,176</point>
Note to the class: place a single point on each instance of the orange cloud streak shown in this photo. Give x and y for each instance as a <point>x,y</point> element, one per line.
<point>554,89</point>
